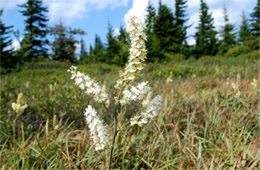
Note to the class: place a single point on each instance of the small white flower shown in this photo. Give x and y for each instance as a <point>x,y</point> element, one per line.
<point>238,93</point>
<point>19,108</point>
<point>234,86</point>
<point>20,105</point>
<point>97,129</point>
<point>84,82</point>
<point>254,84</point>
<point>135,93</point>
<point>151,112</point>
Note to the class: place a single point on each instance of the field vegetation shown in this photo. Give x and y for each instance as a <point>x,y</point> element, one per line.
<point>209,117</point>
<point>207,112</point>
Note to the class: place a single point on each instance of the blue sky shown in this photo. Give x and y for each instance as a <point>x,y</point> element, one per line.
<point>93,15</point>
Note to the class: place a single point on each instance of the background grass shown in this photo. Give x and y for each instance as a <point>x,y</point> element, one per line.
<point>202,123</point>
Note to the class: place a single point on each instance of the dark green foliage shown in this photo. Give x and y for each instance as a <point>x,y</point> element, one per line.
<point>255,20</point>
<point>83,52</point>
<point>116,50</point>
<point>237,51</point>
<point>206,42</point>
<point>6,53</point>
<point>33,44</point>
<point>149,22</point>
<point>244,31</point>
<point>96,53</point>
<point>64,44</point>
<point>123,40</point>
<point>164,28</point>
<point>180,20</point>
<point>180,45</point>
<point>112,49</point>
<point>227,34</point>
<point>253,44</point>
<point>152,43</point>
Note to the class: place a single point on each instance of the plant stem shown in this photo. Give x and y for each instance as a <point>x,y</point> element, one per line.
<point>114,139</point>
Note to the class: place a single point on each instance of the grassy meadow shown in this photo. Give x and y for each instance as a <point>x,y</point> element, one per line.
<point>209,118</point>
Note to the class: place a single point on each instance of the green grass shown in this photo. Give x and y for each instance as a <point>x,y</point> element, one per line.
<point>202,124</point>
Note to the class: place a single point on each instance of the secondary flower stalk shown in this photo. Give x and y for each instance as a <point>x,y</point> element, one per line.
<point>97,129</point>
<point>135,93</point>
<point>149,114</point>
<point>92,88</point>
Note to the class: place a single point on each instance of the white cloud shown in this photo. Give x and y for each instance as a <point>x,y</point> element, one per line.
<point>116,32</point>
<point>69,10</point>
<point>138,9</point>
<point>10,3</point>
<point>66,11</point>
<point>16,44</point>
<point>235,8</point>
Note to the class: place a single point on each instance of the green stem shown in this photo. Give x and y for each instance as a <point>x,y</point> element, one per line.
<point>114,139</point>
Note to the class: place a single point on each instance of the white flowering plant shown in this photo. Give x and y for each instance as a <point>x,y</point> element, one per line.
<point>127,92</point>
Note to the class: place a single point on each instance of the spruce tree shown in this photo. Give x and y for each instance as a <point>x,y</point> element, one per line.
<point>123,36</point>
<point>34,42</point>
<point>255,20</point>
<point>164,28</point>
<point>150,17</point>
<point>112,49</point>
<point>64,44</point>
<point>244,31</point>
<point>91,50</point>
<point>123,41</point>
<point>6,54</point>
<point>152,43</point>
<point>206,42</point>
<point>180,20</point>
<point>83,51</point>
<point>98,50</point>
<point>227,33</point>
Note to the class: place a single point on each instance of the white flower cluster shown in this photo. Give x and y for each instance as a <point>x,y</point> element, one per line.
<point>151,112</point>
<point>235,87</point>
<point>89,86</point>
<point>137,52</point>
<point>20,105</point>
<point>254,84</point>
<point>127,92</point>
<point>135,93</point>
<point>97,129</point>
<point>19,108</point>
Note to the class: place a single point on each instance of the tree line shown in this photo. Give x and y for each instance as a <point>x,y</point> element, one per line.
<point>166,35</point>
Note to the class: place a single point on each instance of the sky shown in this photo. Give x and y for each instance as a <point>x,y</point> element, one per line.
<point>93,16</point>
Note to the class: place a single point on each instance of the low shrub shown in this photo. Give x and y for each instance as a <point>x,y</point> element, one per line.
<point>237,51</point>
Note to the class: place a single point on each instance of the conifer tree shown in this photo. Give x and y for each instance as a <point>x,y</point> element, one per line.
<point>34,42</point>
<point>112,49</point>
<point>64,44</point>
<point>150,17</point>
<point>91,50</point>
<point>244,31</point>
<point>152,43</point>
<point>255,20</point>
<point>123,36</point>
<point>180,20</point>
<point>6,53</point>
<point>206,42</point>
<point>164,27</point>
<point>123,41</point>
<point>83,51</point>
<point>227,33</point>
<point>98,50</point>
